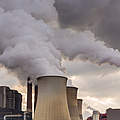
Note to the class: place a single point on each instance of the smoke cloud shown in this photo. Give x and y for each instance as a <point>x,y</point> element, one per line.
<point>102,17</point>
<point>29,46</point>
<point>25,45</point>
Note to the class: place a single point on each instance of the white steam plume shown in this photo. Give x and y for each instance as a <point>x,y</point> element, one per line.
<point>29,46</point>
<point>25,44</point>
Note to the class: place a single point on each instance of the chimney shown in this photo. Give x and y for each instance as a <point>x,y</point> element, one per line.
<point>72,103</point>
<point>79,102</point>
<point>35,96</point>
<point>96,115</point>
<point>29,95</point>
<point>52,100</point>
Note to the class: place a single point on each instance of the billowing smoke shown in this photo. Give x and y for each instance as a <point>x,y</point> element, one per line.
<point>29,46</point>
<point>102,17</point>
<point>25,45</point>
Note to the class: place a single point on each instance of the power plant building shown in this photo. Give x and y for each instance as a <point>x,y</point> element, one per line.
<point>10,102</point>
<point>10,99</point>
<point>113,114</point>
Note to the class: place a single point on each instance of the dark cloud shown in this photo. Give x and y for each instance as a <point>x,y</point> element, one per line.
<point>78,13</point>
<point>108,28</point>
<point>100,16</point>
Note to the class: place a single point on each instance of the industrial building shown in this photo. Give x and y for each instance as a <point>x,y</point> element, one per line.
<point>53,100</point>
<point>113,114</point>
<point>11,105</point>
<point>10,101</point>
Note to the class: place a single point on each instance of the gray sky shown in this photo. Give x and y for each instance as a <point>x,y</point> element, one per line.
<point>100,16</point>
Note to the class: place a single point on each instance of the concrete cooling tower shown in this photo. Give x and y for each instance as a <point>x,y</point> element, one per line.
<point>72,103</point>
<point>52,99</point>
<point>79,102</point>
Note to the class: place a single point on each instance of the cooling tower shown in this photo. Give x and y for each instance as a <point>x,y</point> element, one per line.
<point>72,103</point>
<point>29,95</point>
<point>79,102</point>
<point>52,99</point>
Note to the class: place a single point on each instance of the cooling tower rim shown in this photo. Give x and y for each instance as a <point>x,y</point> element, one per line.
<point>72,87</point>
<point>51,76</point>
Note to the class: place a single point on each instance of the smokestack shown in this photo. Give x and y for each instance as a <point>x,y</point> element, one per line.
<point>72,103</point>
<point>79,102</point>
<point>29,95</point>
<point>35,97</point>
<point>52,99</point>
<point>96,115</point>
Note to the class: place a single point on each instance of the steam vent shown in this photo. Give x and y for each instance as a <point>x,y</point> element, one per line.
<point>52,100</point>
<point>72,103</point>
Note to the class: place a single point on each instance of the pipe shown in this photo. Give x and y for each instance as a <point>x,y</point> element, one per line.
<point>72,103</point>
<point>52,100</point>
<point>11,116</point>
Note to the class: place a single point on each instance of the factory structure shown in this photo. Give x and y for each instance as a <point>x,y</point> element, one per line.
<point>53,100</point>
<point>111,114</point>
<point>11,104</point>
<point>56,101</point>
<point>10,101</point>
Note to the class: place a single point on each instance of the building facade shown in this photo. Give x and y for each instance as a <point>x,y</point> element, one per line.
<point>10,99</point>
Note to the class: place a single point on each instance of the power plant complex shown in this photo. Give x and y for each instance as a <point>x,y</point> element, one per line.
<point>53,100</point>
